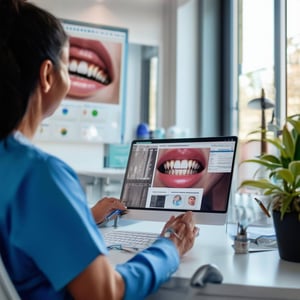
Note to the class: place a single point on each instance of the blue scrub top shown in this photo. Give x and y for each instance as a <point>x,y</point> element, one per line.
<point>48,235</point>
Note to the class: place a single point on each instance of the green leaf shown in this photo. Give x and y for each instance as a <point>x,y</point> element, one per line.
<point>294,167</point>
<point>277,143</point>
<point>285,161</point>
<point>255,131</point>
<point>295,123</point>
<point>270,192</point>
<point>271,158</point>
<point>261,184</point>
<point>297,182</point>
<point>286,202</point>
<point>266,163</point>
<point>296,134</point>
<point>297,148</point>
<point>284,174</point>
<point>288,142</point>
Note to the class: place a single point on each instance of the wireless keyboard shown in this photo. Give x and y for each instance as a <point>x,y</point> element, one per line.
<point>124,240</point>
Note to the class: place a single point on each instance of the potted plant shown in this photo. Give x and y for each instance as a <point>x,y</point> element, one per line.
<point>282,185</point>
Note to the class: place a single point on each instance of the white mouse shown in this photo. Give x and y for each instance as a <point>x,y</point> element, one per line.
<point>206,273</point>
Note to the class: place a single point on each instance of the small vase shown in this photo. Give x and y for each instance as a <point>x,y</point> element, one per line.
<point>288,236</point>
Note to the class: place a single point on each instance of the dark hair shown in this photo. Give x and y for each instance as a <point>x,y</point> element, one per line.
<point>28,36</point>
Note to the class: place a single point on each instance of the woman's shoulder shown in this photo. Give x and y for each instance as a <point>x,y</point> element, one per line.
<point>35,156</point>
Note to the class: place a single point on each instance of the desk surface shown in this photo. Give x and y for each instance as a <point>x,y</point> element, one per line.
<point>213,245</point>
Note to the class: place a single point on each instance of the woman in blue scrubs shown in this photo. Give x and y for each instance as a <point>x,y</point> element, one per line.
<point>49,240</point>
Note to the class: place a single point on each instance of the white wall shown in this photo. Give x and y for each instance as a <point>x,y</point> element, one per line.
<point>143,18</point>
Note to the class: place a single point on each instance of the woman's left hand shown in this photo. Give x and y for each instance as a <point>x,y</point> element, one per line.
<point>105,206</point>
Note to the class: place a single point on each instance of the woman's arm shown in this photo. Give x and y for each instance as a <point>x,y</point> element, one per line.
<point>98,281</point>
<point>141,275</point>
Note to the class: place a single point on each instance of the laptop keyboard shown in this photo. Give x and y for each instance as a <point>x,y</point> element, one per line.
<point>129,240</point>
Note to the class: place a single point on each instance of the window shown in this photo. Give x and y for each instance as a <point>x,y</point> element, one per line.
<point>293,57</point>
<point>268,46</point>
<point>149,88</point>
<point>258,61</point>
<point>153,90</point>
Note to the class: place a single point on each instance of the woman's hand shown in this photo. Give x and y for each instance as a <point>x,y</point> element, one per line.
<point>105,206</point>
<point>182,231</point>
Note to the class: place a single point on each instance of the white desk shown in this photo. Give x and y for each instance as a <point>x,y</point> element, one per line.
<point>261,275</point>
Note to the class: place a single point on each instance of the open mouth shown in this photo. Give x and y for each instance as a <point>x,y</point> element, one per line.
<point>90,67</point>
<point>181,168</point>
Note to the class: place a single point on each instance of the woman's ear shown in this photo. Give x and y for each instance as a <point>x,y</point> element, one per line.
<point>46,75</point>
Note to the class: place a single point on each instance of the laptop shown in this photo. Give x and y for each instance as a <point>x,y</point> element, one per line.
<point>167,177</point>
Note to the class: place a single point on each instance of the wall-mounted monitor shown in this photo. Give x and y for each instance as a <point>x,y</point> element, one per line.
<point>94,108</point>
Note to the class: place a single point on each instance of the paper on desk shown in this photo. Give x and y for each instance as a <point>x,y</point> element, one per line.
<point>261,238</point>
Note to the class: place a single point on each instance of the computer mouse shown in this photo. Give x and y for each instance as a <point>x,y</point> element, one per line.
<point>206,273</point>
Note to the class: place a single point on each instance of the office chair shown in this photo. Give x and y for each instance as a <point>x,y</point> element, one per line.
<point>7,289</point>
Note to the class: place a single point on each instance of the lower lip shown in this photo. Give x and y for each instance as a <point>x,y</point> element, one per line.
<point>182,181</point>
<point>82,88</point>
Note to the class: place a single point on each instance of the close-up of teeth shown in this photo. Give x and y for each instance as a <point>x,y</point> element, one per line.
<point>181,167</point>
<point>90,71</point>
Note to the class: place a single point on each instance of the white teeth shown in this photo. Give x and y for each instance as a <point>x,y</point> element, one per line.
<point>181,167</point>
<point>98,76</point>
<point>172,164</point>
<point>95,71</point>
<point>73,66</point>
<point>82,68</point>
<point>104,76</point>
<point>88,70</point>
<point>177,164</point>
<point>166,165</point>
<point>184,164</point>
<point>101,76</point>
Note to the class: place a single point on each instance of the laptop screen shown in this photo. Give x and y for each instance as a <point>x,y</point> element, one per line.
<point>166,177</point>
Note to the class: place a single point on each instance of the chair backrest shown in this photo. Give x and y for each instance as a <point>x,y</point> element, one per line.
<point>7,289</point>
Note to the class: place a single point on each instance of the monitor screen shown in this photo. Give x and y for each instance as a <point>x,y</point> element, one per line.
<point>93,110</point>
<point>170,176</point>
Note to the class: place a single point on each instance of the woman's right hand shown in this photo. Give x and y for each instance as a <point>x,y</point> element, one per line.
<point>105,206</point>
<point>182,231</point>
